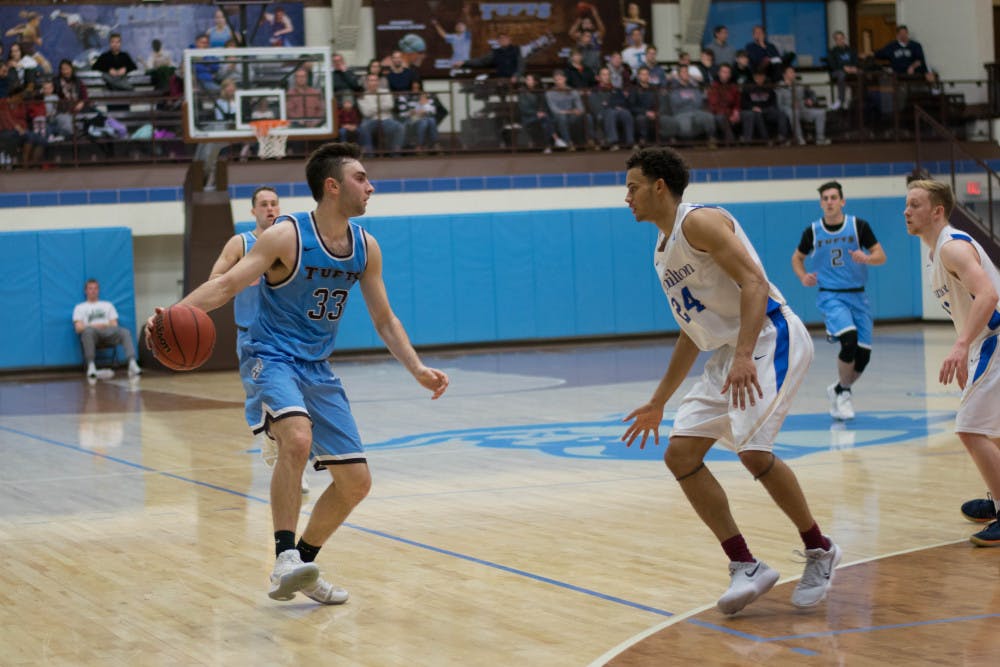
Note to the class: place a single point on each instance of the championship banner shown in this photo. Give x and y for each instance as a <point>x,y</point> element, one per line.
<point>437,35</point>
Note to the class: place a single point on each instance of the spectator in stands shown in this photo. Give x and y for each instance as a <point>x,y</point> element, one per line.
<point>657,75</point>
<point>759,108</point>
<point>303,103</point>
<point>632,20</point>
<point>590,50</point>
<point>742,73</point>
<point>16,137</point>
<point>536,119</point>
<point>115,64</point>
<point>799,103</point>
<point>621,74</point>
<point>160,66</point>
<point>634,53</point>
<point>688,113</point>
<point>723,50</point>
<point>73,98</point>
<point>400,75</point>
<point>588,21</point>
<point>724,103</point>
<point>843,63</point>
<point>206,68</point>
<point>22,70</point>
<point>96,322</point>
<point>643,102</point>
<point>579,75</point>
<point>348,120</point>
<point>461,39</point>
<point>905,56</point>
<point>376,107</point>
<point>421,118</point>
<point>610,109</point>
<point>567,110</point>
<point>345,82</point>
<point>505,59</point>
<point>375,67</point>
<point>764,54</point>
<point>8,76</point>
<point>683,60</point>
<point>220,32</point>
<point>704,71</point>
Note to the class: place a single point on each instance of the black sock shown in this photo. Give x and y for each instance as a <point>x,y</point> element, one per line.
<point>307,551</point>
<point>283,541</point>
<point>840,390</point>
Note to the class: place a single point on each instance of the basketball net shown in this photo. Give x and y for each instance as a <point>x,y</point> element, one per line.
<point>270,144</point>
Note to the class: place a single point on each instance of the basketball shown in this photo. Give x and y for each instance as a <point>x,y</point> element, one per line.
<point>183,337</point>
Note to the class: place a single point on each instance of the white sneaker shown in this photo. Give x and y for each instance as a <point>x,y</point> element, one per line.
<point>559,143</point>
<point>840,404</point>
<point>817,577</point>
<point>133,369</point>
<point>91,371</point>
<point>748,581</point>
<point>105,374</point>
<point>835,106</point>
<point>325,593</point>
<point>290,574</point>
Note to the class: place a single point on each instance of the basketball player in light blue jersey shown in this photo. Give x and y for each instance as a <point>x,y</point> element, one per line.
<point>967,285</point>
<point>760,352</point>
<point>841,248</point>
<point>310,263</point>
<point>265,208</point>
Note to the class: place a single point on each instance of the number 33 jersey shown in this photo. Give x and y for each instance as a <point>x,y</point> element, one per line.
<point>299,316</point>
<point>705,301</point>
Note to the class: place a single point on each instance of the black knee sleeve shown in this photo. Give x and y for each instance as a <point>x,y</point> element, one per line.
<point>861,358</point>
<point>848,346</point>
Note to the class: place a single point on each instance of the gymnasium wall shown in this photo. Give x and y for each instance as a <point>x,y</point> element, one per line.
<point>46,272</point>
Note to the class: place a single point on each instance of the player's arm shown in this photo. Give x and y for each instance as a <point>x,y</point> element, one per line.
<point>799,259</point>
<point>962,261</point>
<point>709,230</point>
<point>648,417</point>
<point>875,255</point>
<point>388,326</point>
<point>231,253</point>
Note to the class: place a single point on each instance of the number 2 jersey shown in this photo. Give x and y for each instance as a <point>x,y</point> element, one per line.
<point>704,299</point>
<point>299,316</point>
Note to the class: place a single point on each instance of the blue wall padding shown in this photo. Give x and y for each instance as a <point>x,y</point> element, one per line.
<point>494,277</point>
<point>48,270</point>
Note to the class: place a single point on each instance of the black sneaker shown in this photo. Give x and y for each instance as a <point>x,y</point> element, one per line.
<point>987,537</point>
<point>981,510</point>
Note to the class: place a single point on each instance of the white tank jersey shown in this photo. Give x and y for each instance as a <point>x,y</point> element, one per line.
<point>953,296</point>
<point>704,299</point>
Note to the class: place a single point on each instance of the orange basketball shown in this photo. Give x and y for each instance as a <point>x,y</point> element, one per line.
<point>183,337</point>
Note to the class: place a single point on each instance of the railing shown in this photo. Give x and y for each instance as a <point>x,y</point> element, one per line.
<point>935,145</point>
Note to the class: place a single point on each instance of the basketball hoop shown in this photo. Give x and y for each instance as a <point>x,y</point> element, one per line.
<point>270,144</point>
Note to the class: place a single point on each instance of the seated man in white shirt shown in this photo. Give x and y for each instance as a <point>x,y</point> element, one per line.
<point>96,322</point>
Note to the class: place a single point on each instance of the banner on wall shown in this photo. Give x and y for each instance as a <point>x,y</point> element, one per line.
<point>79,33</point>
<point>435,35</point>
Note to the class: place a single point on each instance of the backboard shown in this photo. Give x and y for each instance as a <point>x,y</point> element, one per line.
<point>226,89</point>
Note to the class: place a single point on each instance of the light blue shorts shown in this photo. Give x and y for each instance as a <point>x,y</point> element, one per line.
<point>278,387</point>
<point>844,311</point>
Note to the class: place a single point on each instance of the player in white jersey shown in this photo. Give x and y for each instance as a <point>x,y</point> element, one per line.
<point>265,209</point>
<point>967,285</point>
<point>724,303</point>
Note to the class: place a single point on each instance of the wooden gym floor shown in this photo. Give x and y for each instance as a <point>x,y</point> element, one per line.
<point>507,524</point>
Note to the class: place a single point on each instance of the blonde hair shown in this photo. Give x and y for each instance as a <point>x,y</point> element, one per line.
<point>939,193</point>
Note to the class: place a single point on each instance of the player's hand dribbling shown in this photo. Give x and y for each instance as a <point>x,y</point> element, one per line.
<point>433,379</point>
<point>149,327</point>
<point>741,383</point>
<point>647,418</point>
<point>956,366</point>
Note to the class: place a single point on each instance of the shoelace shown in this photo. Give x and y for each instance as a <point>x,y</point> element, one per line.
<point>812,575</point>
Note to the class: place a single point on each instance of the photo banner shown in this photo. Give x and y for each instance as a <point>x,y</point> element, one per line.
<point>425,31</point>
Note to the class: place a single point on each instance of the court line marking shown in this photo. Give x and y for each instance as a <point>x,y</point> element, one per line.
<point>687,616</point>
<point>524,573</point>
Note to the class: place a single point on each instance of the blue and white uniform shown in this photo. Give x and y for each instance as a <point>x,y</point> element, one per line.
<point>978,411</point>
<point>840,279</point>
<point>245,303</point>
<point>284,367</point>
<point>705,302</point>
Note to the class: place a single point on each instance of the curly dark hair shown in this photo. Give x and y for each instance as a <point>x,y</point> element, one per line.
<point>662,162</point>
